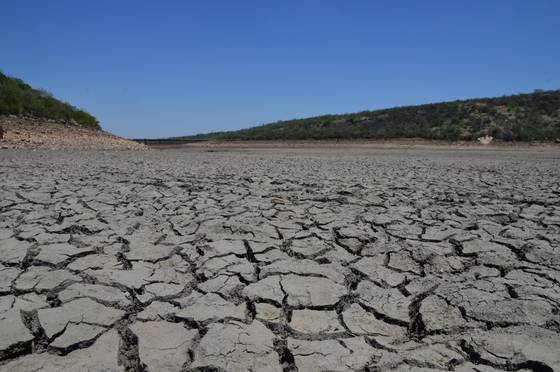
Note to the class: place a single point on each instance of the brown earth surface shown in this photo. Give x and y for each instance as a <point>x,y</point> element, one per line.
<point>21,133</point>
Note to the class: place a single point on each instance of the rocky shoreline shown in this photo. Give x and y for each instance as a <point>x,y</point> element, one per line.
<point>33,133</point>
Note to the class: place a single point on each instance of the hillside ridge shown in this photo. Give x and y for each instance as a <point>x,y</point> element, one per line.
<point>19,99</point>
<point>521,117</point>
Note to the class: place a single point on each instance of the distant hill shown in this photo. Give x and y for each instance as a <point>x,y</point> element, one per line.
<point>20,99</point>
<point>522,117</point>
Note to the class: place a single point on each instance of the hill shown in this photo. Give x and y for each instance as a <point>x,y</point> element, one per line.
<point>20,99</point>
<point>522,117</point>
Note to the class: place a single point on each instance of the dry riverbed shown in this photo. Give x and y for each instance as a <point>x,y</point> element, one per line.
<point>258,260</point>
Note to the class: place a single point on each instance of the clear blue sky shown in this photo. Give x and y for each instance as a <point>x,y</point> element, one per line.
<point>163,68</point>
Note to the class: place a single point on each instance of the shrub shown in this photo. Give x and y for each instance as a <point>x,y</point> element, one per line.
<point>533,116</point>
<point>18,98</point>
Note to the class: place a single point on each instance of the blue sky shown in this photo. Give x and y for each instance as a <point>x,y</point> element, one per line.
<point>163,68</point>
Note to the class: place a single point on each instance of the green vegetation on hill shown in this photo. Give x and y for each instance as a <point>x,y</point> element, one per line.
<point>18,98</point>
<point>523,117</point>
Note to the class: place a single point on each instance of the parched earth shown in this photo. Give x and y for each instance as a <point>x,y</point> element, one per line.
<point>285,260</point>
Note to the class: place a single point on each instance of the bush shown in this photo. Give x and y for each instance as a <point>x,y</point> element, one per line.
<point>18,98</point>
<point>526,117</point>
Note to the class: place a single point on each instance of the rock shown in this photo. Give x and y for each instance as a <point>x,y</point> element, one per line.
<point>7,276</point>
<point>468,367</point>
<point>268,288</point>
<point>349,354</point>
<point>334,272</point>
<point>82,310</point>
<point>227,265</point>
<point>438,234</point>
<point>375,269</point>
<point>15,335</point>
<point>58,253</point>
<point>486,140</point>
<point>201,308</point>
<point>480,246</point>
<point>5,233</point>
<point>387,301</point>
<point>95,262</point>
<point>224,285</point>
<point>173,270</point>
<point>491,302</point>
<point>318,322</point>
<point>532,285</point>
<point>309,246</point>
<point>412,368</point>
<point>442,264</point>
<point>404,231</point>
<point>543,253</point>
<point>236,347</point>
<point>157,310</point>
<point>271,256</point>
<point>100,292</point>
<point>143,250</point>
<point>435,355</point>
<point>101,356</point>
<point>164,289</point>
<point>12,250</point>
<point>135,278</point>
<point>25,302</point>
<point>41,278</point>
<point>269,313</point>
<point>311,291</point>
<point>404,263</point>
<point>300,290</point>
<point>360,322</point>
<point>437,315</point>
<point>225,247</point>
<point>164,346</point>
<point>516,346</point>
<point>75,334</point>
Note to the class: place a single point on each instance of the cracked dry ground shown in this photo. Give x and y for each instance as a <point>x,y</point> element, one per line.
<point>347,260</point>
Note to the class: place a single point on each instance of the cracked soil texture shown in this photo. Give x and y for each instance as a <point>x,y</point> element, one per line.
<point>284,260</point>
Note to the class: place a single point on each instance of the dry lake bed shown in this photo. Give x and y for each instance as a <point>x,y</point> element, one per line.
<point>280,260</point>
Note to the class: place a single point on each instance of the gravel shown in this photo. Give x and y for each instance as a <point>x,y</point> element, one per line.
<point>30,133</point>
